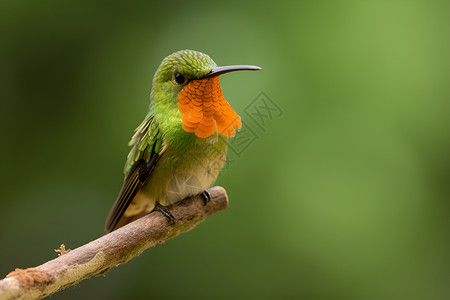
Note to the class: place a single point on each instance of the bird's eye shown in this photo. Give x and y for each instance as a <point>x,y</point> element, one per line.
<point>179,78</point>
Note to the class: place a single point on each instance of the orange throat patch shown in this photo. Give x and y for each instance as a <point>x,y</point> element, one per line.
<point>205,110</point>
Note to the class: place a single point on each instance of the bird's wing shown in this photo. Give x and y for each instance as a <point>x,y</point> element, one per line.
<point>147,148</point>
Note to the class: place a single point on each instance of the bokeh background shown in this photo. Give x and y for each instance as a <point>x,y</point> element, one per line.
<point>343,196</point>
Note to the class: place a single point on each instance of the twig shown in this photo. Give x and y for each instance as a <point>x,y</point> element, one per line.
<point>117,247</point>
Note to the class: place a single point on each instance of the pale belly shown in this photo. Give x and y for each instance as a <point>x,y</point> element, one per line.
<point>176,177</point>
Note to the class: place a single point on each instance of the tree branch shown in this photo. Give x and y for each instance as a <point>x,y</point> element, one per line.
<point>117,247</point>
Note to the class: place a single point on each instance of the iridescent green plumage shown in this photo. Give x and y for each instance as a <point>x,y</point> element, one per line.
<point>147,140</point>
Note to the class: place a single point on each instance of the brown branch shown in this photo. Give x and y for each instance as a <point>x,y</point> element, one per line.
<point>117,247</point>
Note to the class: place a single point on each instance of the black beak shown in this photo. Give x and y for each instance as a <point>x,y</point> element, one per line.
<point>222,70</point>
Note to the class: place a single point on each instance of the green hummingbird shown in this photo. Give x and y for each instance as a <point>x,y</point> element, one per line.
<point>181,146</point>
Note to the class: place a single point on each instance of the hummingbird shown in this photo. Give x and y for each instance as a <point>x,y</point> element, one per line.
<point>181,146</point>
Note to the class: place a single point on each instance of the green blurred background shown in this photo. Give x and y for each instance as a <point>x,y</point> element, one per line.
<point>344,196</point>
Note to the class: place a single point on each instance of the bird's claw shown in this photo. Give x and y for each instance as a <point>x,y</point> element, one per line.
<point>164,211</point>
<point>206,196</point>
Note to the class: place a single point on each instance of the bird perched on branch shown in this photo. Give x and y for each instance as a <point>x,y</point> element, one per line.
<point>180,148</point>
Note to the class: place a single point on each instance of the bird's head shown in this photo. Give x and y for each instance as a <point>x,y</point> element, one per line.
<point>187,82</point>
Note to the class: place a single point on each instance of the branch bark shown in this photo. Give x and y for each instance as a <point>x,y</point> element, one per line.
<point>117,247</point>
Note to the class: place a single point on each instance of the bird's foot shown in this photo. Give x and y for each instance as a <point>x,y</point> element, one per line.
<point>206,196</point>
<point>164,211</point>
